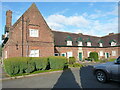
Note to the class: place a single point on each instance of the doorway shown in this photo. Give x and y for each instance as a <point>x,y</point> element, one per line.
<point>80,56</point>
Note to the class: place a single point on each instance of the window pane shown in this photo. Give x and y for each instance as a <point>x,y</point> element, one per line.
<point>34,33</point>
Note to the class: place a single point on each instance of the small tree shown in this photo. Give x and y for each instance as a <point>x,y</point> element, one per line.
<point>72,60</point>
<point>94,56</point>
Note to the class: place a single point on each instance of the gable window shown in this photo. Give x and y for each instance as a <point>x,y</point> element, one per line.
<point>69,43</point>
<point>101,45</point>
<point>80,43</point>
<point>34,53</point>
<point>56,54</point>
<point>88,43</point>
<point>113,43</point>
<point>33,32</point>
<point>113,53</point>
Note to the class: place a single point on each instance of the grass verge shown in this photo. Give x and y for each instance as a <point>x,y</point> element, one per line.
<point>35,72</point>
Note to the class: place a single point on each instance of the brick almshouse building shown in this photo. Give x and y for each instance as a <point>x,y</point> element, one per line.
<point>30,36</point>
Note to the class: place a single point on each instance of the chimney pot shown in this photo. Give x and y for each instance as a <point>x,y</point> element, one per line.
<point>111,33</point>
<point>8,19</point>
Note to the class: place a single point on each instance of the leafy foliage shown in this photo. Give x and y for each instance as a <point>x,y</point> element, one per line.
<point>41,63</point>
<point>21,65</point>
<point>94,56</point>
<point>72,60</point>
<point>57,62</point>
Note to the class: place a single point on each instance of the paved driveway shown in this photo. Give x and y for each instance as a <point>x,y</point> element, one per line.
<point>71,78</point>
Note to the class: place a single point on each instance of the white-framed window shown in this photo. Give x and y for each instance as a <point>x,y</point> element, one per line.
<point>80,43</point>
<point>113,43</point>
<point>56,54</point>
<point>113,53</point>
<point>101,53</point>
<point>34,32</point>
<point>34,53</point>
<point>69,43</point>
<point>88,43</point>
<point>5,54</point>
<point>101,45</point>
<point>63,54</point>
<point>88,53</point>
<point>69,54</point>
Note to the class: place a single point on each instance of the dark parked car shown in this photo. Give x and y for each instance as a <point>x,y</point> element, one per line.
<point>107,71</point>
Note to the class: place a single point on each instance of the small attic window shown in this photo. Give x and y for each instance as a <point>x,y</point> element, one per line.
<point>80,41</point>
<point>100,43</point>
<point>89,42</point>
<point>69,41</point>
<point>113,43</point>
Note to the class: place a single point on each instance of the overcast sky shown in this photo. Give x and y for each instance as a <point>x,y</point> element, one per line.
<point>91,18</point>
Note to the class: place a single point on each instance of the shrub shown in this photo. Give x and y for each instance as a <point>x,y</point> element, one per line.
<point>11,66</point>
<point>94,56</point>
<point>57,62</point>
<point>40,63</point>
<point>72,60</point>
<point>30,65</point>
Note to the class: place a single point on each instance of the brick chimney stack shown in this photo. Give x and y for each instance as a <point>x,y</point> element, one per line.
<point>8,20</point>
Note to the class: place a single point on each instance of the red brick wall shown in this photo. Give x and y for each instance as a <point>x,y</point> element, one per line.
<point>19,35</point>
<point>85,51</point>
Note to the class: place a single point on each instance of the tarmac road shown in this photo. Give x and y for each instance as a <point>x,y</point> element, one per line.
<point>70,78</point>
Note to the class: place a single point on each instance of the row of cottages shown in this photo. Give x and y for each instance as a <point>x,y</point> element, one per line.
<point>30,36</point>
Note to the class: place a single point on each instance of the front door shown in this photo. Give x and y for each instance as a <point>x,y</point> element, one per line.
<point>80,56</point>
<point>107,55</point>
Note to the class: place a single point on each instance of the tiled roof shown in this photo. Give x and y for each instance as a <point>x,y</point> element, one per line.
<point>60,38</point>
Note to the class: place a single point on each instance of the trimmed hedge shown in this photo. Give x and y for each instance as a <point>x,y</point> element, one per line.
<point>57,62</point>
<point>41,63</point>
<point>20,65</point>
<point>94,56</point>
<point>72,60</point>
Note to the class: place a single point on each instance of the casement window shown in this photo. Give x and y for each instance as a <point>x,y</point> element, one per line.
<point>113,53</point>
<point>101,45</point>
<point>63,54</point>
<point>5,54</point>
<point>69,43</point>
<point>34,32</point>
<point>101,53</point>
<point>88,53</point>
<point>88,43</point>
<point>56,54</point>
<point>69,54</point>
<point>113,43</point>
<point>80,43</point>
<point>34,53</point>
